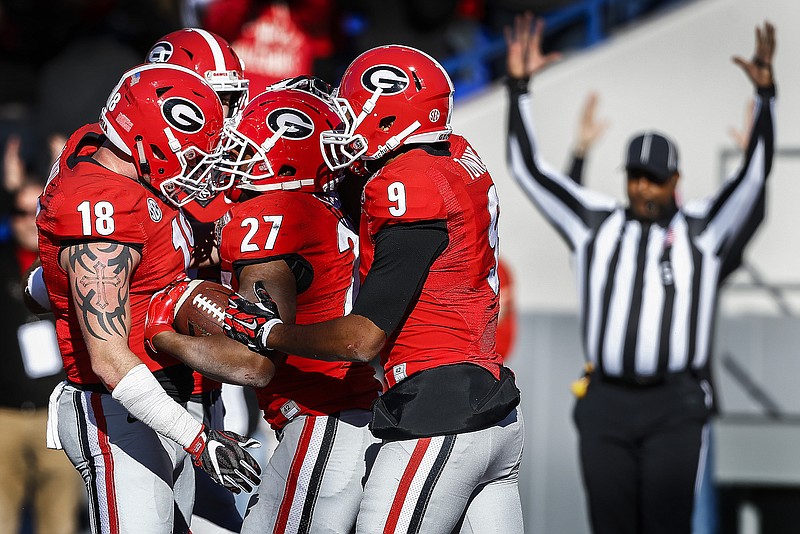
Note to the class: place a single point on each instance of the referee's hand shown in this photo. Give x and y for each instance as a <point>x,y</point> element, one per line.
<point>759,68</point>
<point>524,42</point>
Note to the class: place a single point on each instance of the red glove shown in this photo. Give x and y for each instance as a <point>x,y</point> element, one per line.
<point>161,311</point>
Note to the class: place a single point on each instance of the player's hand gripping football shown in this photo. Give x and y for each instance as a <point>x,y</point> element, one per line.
<point>221,454</point>
<point>161,311</point>
<point>250,323</point>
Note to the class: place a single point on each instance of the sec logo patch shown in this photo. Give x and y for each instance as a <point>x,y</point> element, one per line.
<point>154,210</point>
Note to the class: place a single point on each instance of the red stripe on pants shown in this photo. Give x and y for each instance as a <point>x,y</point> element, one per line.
<point>294,474</point>
<point>108,462</point>
<point>405,483</point>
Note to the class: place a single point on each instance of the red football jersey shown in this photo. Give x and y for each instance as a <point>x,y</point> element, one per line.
<point>83,201</point>
<point>455,318</point>
<point>309,229</point>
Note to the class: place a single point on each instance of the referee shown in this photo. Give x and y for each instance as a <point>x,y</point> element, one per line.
<point>647,277</point>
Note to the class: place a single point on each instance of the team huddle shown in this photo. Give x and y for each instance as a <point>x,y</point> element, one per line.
<point>320,289</point>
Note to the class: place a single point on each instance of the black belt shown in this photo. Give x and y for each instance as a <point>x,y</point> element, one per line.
<point>644,381</point>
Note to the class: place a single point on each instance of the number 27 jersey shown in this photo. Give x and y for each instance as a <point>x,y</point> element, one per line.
<point>311,235</point>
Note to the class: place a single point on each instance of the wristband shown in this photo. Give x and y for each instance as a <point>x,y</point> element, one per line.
<point>140,393</point>
<point>36,289</point>
<point>266,329</point>
<point>518,85</point>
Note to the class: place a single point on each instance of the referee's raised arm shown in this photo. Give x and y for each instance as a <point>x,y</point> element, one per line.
<point>728,219</point>
<point>574,211</point>
<point>648,276</point>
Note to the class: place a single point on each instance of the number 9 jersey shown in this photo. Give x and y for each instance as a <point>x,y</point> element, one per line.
<point>454,319</point>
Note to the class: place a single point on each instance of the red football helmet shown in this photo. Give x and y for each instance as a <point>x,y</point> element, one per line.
<point>211,57</point>
<point>276,144</point>
<point>169,120</point>
<point>389,96</point>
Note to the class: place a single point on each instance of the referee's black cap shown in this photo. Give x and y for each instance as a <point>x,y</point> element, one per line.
<point>653,153</point>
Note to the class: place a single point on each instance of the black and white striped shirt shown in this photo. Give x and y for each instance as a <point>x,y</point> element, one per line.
<point>647,291</point>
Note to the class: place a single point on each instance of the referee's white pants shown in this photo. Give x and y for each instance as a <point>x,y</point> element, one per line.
<point>314,479</point>
<point>456,483</point>
<point>137,480</point>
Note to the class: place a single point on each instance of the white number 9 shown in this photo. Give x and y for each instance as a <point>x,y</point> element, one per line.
<point>397,194</point>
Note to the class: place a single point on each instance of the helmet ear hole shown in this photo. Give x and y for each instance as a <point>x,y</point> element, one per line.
<point>287,170</point>
<point>158,153</point>
<point>387,122</point>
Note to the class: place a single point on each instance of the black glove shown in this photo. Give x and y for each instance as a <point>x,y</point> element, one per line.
<point>221,454</point>
<point>250,323</point>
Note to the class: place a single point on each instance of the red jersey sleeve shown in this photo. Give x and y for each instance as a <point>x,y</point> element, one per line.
<point>107,209</point>
<point>402,194</point>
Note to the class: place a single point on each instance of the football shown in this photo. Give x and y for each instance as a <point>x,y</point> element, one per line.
<point>200,311</point>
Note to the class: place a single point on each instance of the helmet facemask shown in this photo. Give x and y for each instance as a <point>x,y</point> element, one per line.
<point>198,180</point>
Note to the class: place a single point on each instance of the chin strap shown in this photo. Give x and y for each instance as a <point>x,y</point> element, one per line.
<point>143,164</point>
<point>267,145</point>
<point>395,141</point>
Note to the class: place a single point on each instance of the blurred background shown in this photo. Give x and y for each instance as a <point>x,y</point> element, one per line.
<point>654,64</point>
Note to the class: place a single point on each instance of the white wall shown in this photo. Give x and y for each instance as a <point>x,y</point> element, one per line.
<point>673,73</point>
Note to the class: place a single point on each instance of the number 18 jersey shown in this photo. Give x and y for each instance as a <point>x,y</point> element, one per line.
<point>85,202</point>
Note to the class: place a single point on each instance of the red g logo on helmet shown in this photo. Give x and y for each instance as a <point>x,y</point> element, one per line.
<point>183,115</point>
<point>212,58</point>
<point>295,124</point>
<point>388,78</point>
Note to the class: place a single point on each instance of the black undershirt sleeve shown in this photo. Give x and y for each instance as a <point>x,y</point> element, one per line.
<point>404,254</point>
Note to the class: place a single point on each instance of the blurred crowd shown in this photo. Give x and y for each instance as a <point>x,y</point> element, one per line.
<point>61,60</point>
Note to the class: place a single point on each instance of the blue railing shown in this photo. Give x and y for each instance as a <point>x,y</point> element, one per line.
<point>472,70</point>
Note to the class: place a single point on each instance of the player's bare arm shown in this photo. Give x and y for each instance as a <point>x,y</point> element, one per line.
<point>353,337</point>
<point>99,277</point>
<point>215,356</point>
<point>218,357</point>
<point>349,338</point>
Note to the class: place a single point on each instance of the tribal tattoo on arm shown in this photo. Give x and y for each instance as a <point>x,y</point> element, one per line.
<point>99,276</point>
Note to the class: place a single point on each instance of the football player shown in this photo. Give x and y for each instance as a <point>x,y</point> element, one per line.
<point>110,234</point>
<point>450,424</point>
<point>288,236</point>
<point>212,58</point>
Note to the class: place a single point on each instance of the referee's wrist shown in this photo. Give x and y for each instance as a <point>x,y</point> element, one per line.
<point>518,86</point>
